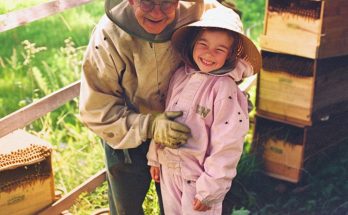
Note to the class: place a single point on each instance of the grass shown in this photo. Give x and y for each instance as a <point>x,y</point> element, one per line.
<point>51,59</point>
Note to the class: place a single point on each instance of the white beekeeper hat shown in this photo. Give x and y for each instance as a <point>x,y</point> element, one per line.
<point>220,17</point>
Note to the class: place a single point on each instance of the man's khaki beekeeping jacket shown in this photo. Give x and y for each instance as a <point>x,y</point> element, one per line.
<point>125,77</point>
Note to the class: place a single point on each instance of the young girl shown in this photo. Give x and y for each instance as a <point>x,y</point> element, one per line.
<point>195,178</point>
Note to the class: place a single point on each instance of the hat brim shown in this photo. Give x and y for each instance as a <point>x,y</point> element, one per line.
<point>248,52</point>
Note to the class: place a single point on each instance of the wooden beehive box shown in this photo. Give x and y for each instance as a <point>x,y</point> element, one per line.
<point>26,178</point>
<point>302,90</point>
<point>288,151</point>
<point>307,28</point>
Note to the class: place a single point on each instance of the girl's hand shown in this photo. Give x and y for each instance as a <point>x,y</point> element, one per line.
<point>199,206</point>
<point>155,173</point>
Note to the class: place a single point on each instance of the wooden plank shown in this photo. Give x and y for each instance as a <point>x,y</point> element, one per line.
<point>287,157</point>
<point>293,28</point>
<point>298,35</point>
<point>335,8</point>
<point>280,171</point>
<point>21,17</point>
<point>67,201</point>
<point>287,92</point>
<point>286,82</point>
<point>282,152</point>
<point>286,98</point>
<point>335,33</point>
<point>334,21</point>
<point>265,20</point>
<point>334,47</point>
<point>322,8</point>
<point>24,199</point>
<point>282,45</point>
<point>28,114</point>
<point>283,119</point>
<point>330,96</point>
<point>286,95</point>
<point>288,112</point>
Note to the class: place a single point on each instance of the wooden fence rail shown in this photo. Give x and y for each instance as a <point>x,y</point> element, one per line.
<point>21,17</point>
<point>28,114</point>
<point>68,200</point>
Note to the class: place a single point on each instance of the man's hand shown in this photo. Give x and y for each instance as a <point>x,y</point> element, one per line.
<point>164,130</point>
<point>199,206</point>
<point>155,173</point>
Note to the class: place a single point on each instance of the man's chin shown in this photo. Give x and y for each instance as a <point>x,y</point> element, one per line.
<point>154,30</point>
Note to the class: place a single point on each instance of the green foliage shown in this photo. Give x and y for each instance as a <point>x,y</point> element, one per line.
<point>252,14</point>
<point>252,17</point>
<point>151,201</point>
<point>241,212</point>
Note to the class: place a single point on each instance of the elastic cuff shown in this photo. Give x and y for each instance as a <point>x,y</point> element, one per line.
<point>206,201</point>
<point>146,130</point>
<point>153,163</point>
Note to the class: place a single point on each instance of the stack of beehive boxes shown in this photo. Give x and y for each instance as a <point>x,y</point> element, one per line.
<point>302,97</point>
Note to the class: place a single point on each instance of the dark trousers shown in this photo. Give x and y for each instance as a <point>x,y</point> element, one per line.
<point>128,182</point>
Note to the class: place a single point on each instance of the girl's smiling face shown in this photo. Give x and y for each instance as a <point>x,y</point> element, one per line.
<point>211,49</point>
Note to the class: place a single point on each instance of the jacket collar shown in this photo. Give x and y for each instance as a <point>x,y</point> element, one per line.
<point>242,70</point>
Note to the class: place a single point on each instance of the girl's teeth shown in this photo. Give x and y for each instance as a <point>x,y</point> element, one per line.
<point>207,62</point>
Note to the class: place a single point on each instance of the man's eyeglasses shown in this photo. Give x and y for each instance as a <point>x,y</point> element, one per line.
<point>166,6</point>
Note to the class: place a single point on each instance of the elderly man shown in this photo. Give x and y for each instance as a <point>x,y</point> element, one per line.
<point>126,70</point>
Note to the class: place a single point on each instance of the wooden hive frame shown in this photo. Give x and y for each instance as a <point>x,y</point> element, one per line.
<point>26,176</point>
<point>307,28</point>
<point>288,151</point>
<point>301,90</point>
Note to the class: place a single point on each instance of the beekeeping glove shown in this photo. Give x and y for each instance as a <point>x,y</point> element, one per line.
<point>165,131</point>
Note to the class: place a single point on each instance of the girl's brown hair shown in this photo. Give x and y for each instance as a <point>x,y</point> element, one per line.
<point>187,52</point>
